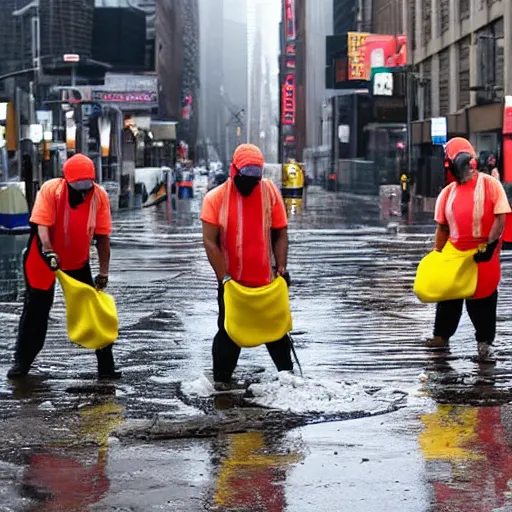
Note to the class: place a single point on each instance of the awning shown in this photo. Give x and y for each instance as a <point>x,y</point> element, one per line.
<point>163,130</point>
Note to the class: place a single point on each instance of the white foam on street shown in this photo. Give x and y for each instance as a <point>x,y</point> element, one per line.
<point>200,387</point>
<point>302,396</point>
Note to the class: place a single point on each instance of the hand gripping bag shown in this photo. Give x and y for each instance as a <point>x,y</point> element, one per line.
<point>92,320</point>
<point>447,275</point>
<point>255,316</point>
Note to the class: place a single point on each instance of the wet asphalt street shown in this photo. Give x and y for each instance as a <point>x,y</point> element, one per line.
<point>447,448</point>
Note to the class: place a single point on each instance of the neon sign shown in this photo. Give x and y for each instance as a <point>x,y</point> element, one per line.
<point>290,31</point>
<point>126,97</point>
<point>290,50</point>
<point>288,101</point>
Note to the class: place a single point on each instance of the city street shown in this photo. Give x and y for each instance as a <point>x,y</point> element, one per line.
<point>421,433</point>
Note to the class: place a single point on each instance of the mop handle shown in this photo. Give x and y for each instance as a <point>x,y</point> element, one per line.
<point>292,345</point>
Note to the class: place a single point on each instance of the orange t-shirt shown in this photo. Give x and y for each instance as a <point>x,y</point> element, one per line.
<point>71,243</point>
<point>255,261</point>
<point>469,210</point>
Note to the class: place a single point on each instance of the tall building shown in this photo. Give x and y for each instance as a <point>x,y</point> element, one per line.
<point>236,74</point>
<point>344,15</point>
<point>389,16</point>
<point>212,116</point>
<point>149,8</point>
<point>319,25</point>
<point>461,57</point>
<point>177,43</point>
<point>256,85</point>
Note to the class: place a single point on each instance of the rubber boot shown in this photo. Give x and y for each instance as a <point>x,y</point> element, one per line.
<point>106,365</point>
<point>18,370</point>
<point>438,343</point>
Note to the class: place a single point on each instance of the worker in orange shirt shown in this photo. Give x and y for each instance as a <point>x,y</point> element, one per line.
<point>68,214</point>
<point>244,226</point>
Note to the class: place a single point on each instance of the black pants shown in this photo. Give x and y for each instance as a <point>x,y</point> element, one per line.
<point>226,352</point>
<point>34,323</point>
<point>481,311</point>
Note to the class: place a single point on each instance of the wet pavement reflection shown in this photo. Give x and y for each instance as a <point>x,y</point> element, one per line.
<point>355,319</point>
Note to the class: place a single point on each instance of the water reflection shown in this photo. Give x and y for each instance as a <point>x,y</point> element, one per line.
<point>252,476</point>
<point>469,457</point>
<point>75,478</point>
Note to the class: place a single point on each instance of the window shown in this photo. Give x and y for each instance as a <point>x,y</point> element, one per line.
<point>490,63</point>
<point>412,22</point>
<point>427,21</point>
<point>444,81</point>
<point>464,92</point>
<point>444,14</point>
<point>427,89</point>
<point>464,9</point>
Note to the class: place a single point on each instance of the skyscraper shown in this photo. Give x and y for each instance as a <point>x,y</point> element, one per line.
<point>235,71</point>
<point>319,24</point>
<point>212,116</point>
<point>177,43</point>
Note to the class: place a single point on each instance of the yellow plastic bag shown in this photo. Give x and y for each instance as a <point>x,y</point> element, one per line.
<point>447,275</point>
<point>255,316</point>
<point>91,315</point>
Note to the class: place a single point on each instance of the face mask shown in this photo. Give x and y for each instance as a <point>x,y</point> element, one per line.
<point>461,169</point>
<point>77,197</point>
<point>246,184</point>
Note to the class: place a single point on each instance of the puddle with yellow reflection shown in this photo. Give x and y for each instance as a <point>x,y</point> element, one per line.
<point>77,477</point>
<point>469,458</point>
<point>252,476</point>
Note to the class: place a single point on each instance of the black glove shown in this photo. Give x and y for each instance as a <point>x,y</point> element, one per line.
<point>52,259</point>
<point>487,254</point>
<point>100,282</point>
<point>286,277</point>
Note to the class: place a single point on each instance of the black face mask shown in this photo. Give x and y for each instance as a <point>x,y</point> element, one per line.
<point>460,167</point>
<point>246,184</point>
<point>77,197</point>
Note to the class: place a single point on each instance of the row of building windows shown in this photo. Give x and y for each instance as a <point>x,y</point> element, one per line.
<point>443,15</point>
<point>489,76</point>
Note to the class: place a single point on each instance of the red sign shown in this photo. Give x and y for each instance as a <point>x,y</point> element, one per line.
<point>288,101</point>
<point>71,57</point>
<point>367,51</point>
<point>289,15</point>
<point>290,50</point>
<point>507,119</point>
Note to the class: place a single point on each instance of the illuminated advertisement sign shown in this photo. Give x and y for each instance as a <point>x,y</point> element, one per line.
<point>366,51</point>
<point>126,97</point>
<point>289,12</point>
<point>288,100</point>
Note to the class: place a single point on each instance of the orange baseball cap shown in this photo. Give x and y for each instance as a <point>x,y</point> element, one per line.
<point>79,167</point>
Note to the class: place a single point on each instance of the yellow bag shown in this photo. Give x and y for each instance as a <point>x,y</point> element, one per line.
<point>91,315</point>
<point>447,275</point>
<point>255,316</point>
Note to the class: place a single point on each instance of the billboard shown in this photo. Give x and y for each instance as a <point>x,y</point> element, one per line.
<point>290,27</point>
<point>288,100</point>
<point>288,91</point>
<point>366,51</point>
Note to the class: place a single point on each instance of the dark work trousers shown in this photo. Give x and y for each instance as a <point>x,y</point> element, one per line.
<point>34,323</point>
<point>481,311</point>
<point>226,352</point>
